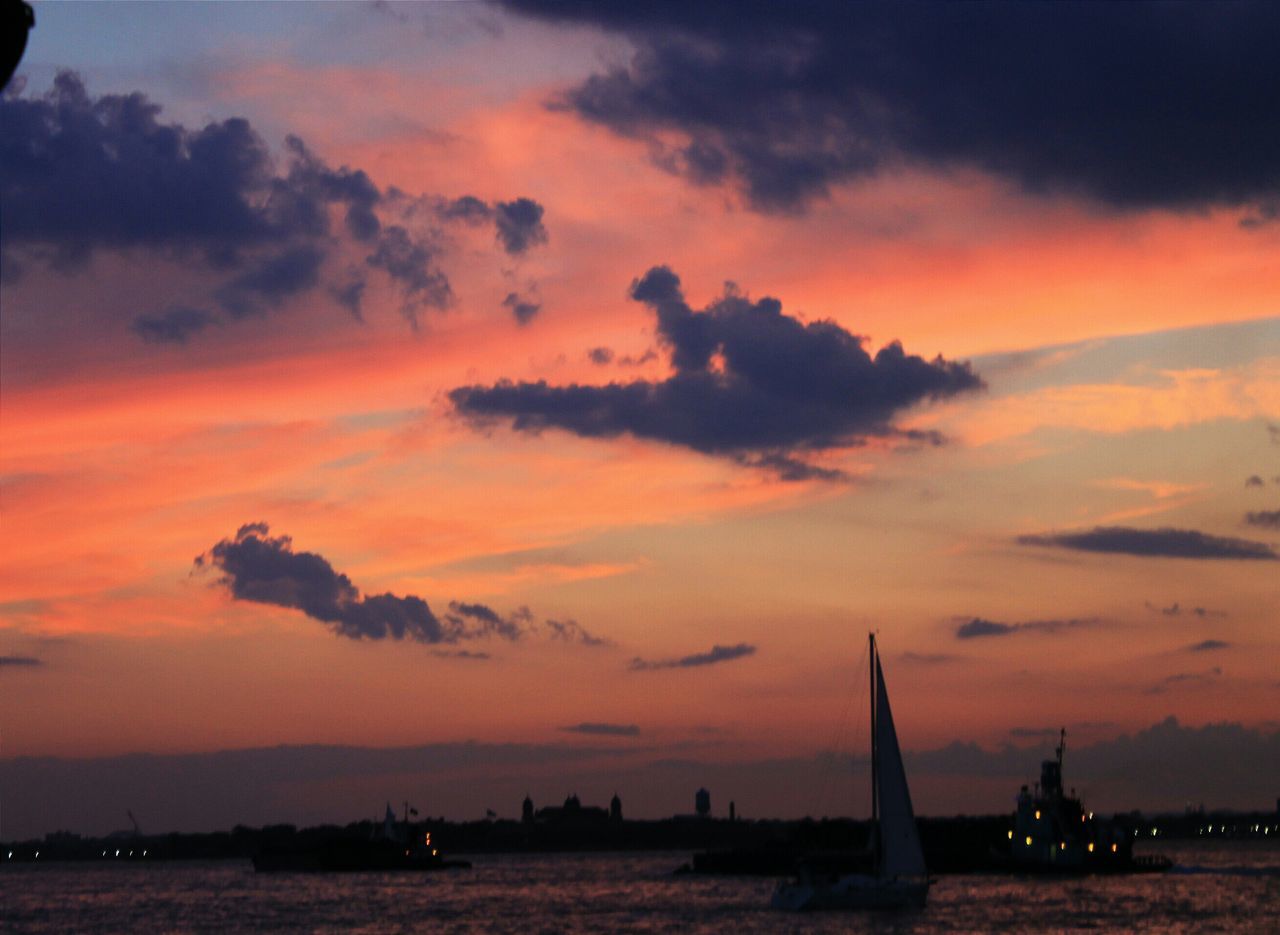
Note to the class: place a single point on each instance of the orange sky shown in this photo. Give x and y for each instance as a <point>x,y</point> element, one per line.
<point>1132,368</point>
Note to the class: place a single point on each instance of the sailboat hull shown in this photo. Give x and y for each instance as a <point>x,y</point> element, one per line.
<point>852,891</point>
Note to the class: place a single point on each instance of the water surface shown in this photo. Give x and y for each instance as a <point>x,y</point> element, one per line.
<point>1220,887</point>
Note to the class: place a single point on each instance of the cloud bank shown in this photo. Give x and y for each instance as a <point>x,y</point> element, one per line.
<point>1223,765</point>
<point>82,174</point>
<point>1131,106</point>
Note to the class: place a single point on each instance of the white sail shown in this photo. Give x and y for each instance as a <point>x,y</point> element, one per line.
<point>900,852</point>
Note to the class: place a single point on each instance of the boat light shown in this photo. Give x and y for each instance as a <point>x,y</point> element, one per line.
<point>1028,840</point>
<point>1090,847</point>
<point>1037,814</point>
<point>1010,835</point>
<point>1113,848</point>
<point>1062,845</point>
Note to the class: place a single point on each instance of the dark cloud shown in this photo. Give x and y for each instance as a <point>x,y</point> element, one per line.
<point>490,621</point>
<point>22,662</point>
<point>603,356</point>
<point>604,730</point>
<point>468,208</point>
<point>523,309</point>
<point>1205,646</point>
<point>630,360</point>
<point>1158,543</point>
<point>174,325</point>
<point>270,280</point>
<point>976,627</point>
<point>519,225</point>
<point>1253,480</point>
<point>787,468</point>
<point>80,174</point>
<point>349,293</point>
<point>409,263</point>
<point>750,383</point>
<point>1130,105</point>
<point>570,631</point>
<point>716,654</point>
<point>460,654</point>
<point>257,566</point>
<point>353,188</point>
<point>1267,519</point>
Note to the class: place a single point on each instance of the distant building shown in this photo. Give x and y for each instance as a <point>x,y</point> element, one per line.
<point>572,812</point>
<point>526,811</point>
<point>615,808</point>
<point>702,803</point>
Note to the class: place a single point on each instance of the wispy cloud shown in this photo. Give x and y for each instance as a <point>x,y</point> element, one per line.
<point>715,655</point>
<point>976,627</point>
<point>1154,543</point>
<point>1205,646</point>
<point>601,729</point>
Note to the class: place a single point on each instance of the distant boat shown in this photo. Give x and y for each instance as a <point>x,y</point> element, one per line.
<point>392,848</point>
<point>898,878</point>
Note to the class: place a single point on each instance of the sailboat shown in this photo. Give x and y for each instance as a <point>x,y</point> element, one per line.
<point>899,879</point>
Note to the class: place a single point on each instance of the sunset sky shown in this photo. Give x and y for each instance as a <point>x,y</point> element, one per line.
<point>454,401</point>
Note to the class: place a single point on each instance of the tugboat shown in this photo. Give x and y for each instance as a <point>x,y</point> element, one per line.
<point>1054,833</point>
<point>391,848</point>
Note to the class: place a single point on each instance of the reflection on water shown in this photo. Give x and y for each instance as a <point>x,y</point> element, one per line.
<point>1231,886</point>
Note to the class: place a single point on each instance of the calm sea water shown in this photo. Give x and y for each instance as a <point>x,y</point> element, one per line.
<point>1225,887</point>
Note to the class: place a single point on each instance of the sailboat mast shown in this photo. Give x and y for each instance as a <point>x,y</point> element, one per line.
<point>875,785</point>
